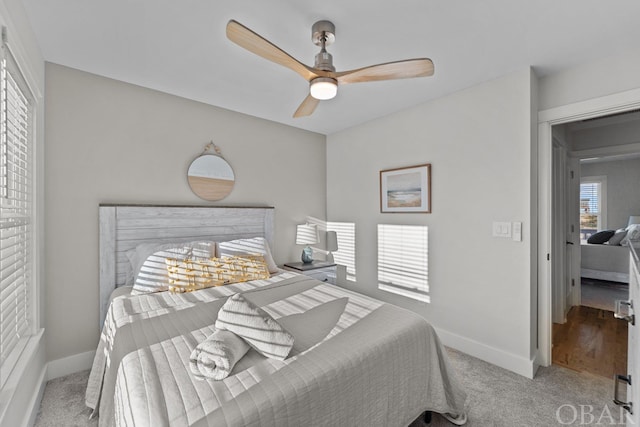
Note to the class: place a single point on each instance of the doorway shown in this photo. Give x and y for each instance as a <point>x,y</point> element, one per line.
<point>594,108</point>
<point>592,202</point>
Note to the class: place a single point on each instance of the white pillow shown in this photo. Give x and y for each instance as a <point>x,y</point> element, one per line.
<point>616,239</point>
<point>253,246</point>
<point>150,269</point>
<point>633,235</point>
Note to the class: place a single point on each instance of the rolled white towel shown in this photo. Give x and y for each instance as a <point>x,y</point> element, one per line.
<point>216,356</point>
<point>256,326</point>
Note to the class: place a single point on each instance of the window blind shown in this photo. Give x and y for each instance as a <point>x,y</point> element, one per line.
<point>591,209</point>
<point>16,213</point>
<point>590,198</point>
<point>403,266</point>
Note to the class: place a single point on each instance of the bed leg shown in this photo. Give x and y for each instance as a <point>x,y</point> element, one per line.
<point>427,417</point>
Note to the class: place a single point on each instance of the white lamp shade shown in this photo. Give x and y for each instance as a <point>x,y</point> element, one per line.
<point>332,241</point>
<point>634,219</point>
<point>306,234</point>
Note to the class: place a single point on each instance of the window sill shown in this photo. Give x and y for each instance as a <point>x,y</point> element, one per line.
<point>16,392</point>
<point>405,293</point>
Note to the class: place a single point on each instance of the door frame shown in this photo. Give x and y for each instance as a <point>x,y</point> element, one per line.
<point>573,219</point>
<point>559,258</point>
<point>596,107</point>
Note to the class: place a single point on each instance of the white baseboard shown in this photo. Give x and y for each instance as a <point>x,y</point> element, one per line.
<point>70,365</point>
<point>519,365</point>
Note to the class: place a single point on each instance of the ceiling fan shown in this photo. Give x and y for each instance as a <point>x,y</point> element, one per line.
<point>322,77</point>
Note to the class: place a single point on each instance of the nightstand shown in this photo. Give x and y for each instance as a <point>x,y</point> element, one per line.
<point>320,270</point>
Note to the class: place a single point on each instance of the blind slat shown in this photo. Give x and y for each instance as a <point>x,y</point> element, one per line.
<point>403,260</point>
<point>16,209</point>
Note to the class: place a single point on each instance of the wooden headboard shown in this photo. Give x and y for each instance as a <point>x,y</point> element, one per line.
<point>123,227</point>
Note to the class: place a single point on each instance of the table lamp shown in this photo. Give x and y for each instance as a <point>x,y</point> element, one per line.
<point>307,234</point>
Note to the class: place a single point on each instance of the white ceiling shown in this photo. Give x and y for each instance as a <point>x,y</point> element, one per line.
<point>180,47</point>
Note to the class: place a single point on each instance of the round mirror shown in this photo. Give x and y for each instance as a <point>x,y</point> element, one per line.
<point>210,177</point>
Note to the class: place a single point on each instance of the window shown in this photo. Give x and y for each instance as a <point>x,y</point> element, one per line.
<point>403,260</point>
<point>16,213</point>
<point>592,205</point>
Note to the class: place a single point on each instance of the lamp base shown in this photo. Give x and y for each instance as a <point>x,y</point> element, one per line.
<point>330,258</point>
<point>307,255</point>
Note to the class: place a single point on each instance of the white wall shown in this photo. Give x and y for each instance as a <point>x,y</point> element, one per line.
<point>605,75</point>
<point>623,195</point>
<point>111,142</point>
<point>19,399</point>
<point>479,142</point>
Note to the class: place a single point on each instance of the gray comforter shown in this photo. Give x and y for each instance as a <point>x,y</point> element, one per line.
<point>355,361</point>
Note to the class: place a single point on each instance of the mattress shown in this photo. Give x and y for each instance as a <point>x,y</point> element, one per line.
<point>355,361</point>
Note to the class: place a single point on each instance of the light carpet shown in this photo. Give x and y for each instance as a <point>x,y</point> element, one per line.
<point>497,398</point>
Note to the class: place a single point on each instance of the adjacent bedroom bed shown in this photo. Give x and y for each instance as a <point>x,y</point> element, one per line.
<point>351,360</point>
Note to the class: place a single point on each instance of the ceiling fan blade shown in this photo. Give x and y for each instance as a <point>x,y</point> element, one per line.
<point>307,107</point>
<point>422,67</point>
<point>244,37</point>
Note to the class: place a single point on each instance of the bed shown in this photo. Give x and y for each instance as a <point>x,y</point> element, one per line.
<point>355,360</point>
<point>605,262</point>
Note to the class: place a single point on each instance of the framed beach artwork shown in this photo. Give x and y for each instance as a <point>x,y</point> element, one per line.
<point>406,189</point>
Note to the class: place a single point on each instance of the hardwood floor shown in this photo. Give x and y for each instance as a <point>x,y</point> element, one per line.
<point>592,340</point>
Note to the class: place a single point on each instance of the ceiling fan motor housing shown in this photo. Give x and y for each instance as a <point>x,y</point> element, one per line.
<point>324,61</point>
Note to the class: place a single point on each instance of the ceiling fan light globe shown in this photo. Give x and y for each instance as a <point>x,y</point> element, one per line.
<point>323,88</point>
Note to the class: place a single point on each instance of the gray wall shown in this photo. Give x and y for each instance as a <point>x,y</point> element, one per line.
<point>112,142</point>
<point>479,142</point>
<point>613,136</point>
<point>623,188</point>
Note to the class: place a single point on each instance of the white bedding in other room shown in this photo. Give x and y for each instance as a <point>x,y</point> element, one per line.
<point>605,262</point>
<point>355,361</point>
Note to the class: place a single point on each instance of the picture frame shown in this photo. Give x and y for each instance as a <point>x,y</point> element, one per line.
<point>406,190</point>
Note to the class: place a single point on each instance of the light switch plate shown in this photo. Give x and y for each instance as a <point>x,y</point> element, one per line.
<point>501,229</point>
<point>517,231</point>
